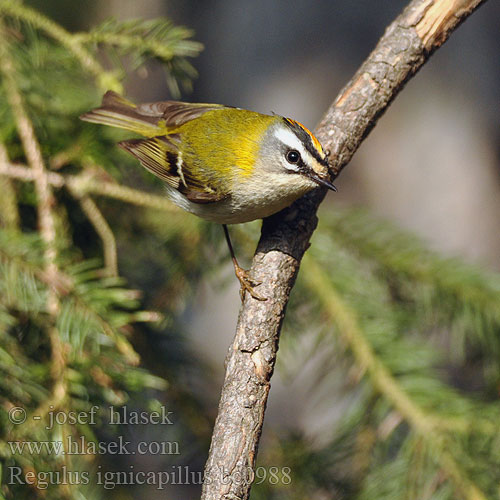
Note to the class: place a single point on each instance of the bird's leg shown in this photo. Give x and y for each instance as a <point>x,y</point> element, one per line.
<point>246,283</point>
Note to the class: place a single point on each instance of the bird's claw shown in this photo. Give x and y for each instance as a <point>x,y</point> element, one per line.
<point>247,284</point>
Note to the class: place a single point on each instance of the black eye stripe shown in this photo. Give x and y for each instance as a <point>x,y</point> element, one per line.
<point>306,138</point>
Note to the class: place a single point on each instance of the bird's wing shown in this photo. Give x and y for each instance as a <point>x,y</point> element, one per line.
<point>149,119</point>
<point>160,152</point>
<point>162,157</point>
<point>174,113</point>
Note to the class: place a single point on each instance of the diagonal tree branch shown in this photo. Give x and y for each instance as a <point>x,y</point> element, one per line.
<point>406,45</point>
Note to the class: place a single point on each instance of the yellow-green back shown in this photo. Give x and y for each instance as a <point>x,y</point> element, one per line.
<point>225,141</point>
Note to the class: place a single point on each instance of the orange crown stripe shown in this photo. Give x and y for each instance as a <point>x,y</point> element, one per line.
<point>315,141</point>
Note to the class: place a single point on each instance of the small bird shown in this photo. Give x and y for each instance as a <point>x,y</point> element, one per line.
<point>224,164</point>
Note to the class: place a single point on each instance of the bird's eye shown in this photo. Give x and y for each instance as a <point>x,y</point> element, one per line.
<point>292,156</point>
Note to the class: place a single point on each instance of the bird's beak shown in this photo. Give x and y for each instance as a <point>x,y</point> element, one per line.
<point>322,182</point>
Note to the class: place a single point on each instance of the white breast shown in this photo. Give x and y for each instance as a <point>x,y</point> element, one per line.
<point>255,199</point>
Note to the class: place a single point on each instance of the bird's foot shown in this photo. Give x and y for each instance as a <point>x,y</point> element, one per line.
<point>247,284</point>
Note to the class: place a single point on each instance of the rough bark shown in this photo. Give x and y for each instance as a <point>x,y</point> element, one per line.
<point>406,45</point>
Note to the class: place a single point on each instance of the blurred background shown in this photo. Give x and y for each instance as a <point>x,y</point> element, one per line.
<point>436,174</point>
<point>431,166</point>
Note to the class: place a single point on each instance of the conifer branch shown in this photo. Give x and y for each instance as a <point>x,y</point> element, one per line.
<point>45,203</point>
<point>64,339</point>
<point>157,37</point>
<point>121,343</point>
<point>102,228</point>
<point>105,79</point>
<point>406,45</point>
<point>83,184</point>
<point>31,149</point>
<point>396,252</point>
<point>63,285</point>
<point>427,426</point>
<point>9,212</point>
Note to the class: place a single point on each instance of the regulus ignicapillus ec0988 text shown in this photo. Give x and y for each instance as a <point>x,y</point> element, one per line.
<point>224,164</point>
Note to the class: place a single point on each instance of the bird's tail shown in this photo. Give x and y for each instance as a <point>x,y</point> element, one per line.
<point>117,111</point>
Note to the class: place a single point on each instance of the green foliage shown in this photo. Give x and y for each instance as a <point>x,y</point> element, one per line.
<point>155,39</point>
<point>381,327</point>
<point>91,324</point>
<point>446,291</point>
<point>72,332</point>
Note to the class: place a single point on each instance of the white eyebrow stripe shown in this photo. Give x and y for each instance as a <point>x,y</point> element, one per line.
<point>288,138</point>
